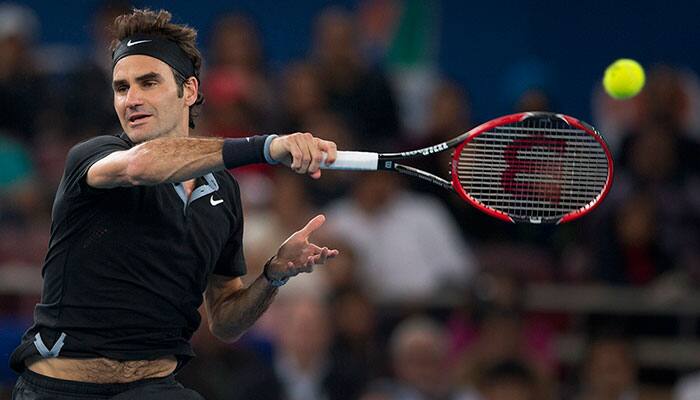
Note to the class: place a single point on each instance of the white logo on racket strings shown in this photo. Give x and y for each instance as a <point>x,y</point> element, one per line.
<point>130,43</point>
<point>215,202</point>
<point>428,150</point>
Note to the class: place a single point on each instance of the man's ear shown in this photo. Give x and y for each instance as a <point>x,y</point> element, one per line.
<point>191,88</point>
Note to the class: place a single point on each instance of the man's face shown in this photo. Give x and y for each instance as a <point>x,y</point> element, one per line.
<point>146,99</point>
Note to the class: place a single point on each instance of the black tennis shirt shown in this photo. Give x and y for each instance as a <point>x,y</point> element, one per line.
<point>126,267</point>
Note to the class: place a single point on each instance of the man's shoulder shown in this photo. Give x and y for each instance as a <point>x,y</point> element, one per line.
<point>102,144</point>
<point>102,140</point>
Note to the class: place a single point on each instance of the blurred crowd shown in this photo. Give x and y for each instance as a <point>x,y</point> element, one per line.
<point>426,299</point>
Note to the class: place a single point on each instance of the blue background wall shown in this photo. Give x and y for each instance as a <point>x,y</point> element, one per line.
<point>491,47</point>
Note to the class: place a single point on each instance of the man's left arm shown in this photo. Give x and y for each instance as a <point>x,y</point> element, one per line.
<point>232,309</point>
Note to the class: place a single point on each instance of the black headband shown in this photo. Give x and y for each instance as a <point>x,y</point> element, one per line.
<point>163,49</point>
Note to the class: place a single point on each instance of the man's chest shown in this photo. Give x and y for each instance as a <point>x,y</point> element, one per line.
<point>164,222</point>
<point>199,209</point>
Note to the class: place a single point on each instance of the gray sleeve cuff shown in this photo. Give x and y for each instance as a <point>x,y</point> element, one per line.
<point>266,149</point>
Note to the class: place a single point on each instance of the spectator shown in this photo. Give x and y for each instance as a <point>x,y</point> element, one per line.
<point>361,95</point>
<point>228,372</point>
<point>22,88</point>
<point>491,326</point>
<point>609,371</point>
<point>633,253</point>
<point>92,113</point>
<point>302,94</point>
<point>231,109</point>
<point>304,364</point>
<point>239,83</point>
<point>450,115</point>
<point>533,99</point>
<point>510,380</point>
<point>356,338</point>
<point>500,338</point>
<point>419,351</point>
<point>23,215</point>
<point>688,387</point>
<point>409,250</point>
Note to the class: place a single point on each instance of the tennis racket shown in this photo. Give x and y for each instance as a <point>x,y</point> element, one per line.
<point>533,167</point>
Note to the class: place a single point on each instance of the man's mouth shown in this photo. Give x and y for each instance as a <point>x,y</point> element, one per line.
<point>138,118</point>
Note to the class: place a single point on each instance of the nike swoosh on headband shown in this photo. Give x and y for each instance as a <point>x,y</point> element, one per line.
<point>130,43</point>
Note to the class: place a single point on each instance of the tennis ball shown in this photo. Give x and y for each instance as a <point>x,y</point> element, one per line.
<point>623,79</point>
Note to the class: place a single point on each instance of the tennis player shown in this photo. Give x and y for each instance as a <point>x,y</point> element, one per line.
<point>148,224</point>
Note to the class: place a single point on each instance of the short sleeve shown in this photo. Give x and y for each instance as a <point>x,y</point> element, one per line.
<point>232,261</point>
<point>83,155</point>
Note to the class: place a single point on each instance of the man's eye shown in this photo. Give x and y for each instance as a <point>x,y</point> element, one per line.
<point>150,83</point>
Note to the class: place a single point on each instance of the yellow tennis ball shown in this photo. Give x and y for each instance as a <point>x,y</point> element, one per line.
<point>624,79</point>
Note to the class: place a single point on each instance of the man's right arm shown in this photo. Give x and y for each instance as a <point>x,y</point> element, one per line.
<point>183,158</point>
<point>157,161</point>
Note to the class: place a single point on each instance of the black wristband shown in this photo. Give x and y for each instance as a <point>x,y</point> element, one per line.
<point>243,151</point>
<point>274,282</point>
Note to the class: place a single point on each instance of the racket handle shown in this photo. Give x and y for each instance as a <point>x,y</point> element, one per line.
<point>353,160</point>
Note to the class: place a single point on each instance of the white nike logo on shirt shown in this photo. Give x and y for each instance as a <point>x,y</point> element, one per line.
<point>130,43</point>
<point>215,202</point>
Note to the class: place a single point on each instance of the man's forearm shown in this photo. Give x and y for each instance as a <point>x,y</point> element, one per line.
<point>235,314</point>
<point>182,158</point>
<point>175,159</point>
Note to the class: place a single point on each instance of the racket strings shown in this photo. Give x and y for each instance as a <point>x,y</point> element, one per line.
<point>538,168</point>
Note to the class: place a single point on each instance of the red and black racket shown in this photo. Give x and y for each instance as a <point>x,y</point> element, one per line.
<point>534,167</point>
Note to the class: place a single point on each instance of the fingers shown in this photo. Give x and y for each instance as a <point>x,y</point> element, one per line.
<point>314,249</point>
<point>316,156</point>
<point>306,145</point>
<point>312,225</point>
<point>307,153</point>
<point>319,259</point>
<point>296,154</point>
<point>323,256</point>
<point>300,151</point>
<point>300,155</point>
<point>308,265</point>
<point>311,256</point>
<point>330,149</point>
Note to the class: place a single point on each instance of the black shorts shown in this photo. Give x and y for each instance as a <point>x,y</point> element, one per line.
<point>32,386</point>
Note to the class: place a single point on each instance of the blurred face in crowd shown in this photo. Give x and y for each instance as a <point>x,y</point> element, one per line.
<point>236,43</point>
<point>500,337</point>
<point>664,98</point>
<point>354,316</point>
<point>303,93</point>
<point>146,98</point>
<point>421,362</point>
<point>374,191</point>
<point>636,221</point>
<point>450,111</point>
<point>610,370</point>
<point>653,155</point>
<point>336,39</point>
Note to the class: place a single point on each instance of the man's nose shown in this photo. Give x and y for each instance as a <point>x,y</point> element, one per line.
<point>134,97</point>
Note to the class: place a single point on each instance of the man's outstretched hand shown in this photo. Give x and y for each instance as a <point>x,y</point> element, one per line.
<point>297,254</point>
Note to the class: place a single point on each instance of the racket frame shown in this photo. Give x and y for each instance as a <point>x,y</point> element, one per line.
<point>388,162</point>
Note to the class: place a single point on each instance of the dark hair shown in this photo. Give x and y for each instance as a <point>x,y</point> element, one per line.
<point>510,370</point>
<point>157,23</point>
